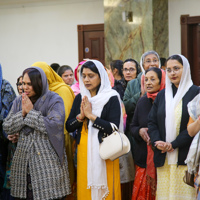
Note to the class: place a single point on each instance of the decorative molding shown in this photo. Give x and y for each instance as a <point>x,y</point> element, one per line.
<point>187,19</point>
<point>184,19</point>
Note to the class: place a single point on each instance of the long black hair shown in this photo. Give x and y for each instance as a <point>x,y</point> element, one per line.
<point>117,64</point>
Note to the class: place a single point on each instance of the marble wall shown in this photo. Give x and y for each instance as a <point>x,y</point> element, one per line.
<point>130,39</point>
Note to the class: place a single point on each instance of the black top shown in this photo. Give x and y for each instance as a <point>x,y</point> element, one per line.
<point>120,86</point>
<point>156,126</point>
<point>140,120</point>
<point>110,113</point>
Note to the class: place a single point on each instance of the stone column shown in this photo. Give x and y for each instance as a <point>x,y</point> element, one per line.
<point>129,36</point>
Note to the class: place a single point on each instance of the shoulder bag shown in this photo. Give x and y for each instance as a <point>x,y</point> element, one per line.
<point>114,145</point>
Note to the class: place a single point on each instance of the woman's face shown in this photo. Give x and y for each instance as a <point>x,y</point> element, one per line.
<point>68,77</point>
<point>174,71</point>
<point>91,80</point>
<point>79,67</point>
<point>151,82</point>
<point>19,86</point>
<point>150,60</point>
<point>129,71</point>
<point>27,87</point>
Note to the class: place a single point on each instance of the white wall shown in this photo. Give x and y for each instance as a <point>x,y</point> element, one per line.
<point>47,31</point>
<point>176,9</point>
<point>43,32</point>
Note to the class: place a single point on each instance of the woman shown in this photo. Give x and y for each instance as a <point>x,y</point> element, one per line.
<point>193,128</point>
<point>123,72</point>
<point>75,87</point>
<point>167,128</point>
<point>57,85</point>
<point>19,85</point>
<point>55,66</point>
<point>135,87</point>
<point>145,183</point>
<point>119,84</point>
<point>93,109</point>
<point>6,98</point>
<point>39,166</point>
<point>11,150</point>
<point>131,69</point>
<point>67,74</point>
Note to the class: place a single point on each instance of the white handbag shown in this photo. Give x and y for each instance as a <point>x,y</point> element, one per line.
<point>115,145</point>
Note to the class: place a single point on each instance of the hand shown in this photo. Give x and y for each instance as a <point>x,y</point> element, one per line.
<point>87,107</point>
<point>144,135</point>
<point>81,116</point>
<point>142,92</point>
<point>164,146</point>
<point>13,138</point>
<point>26,105</point>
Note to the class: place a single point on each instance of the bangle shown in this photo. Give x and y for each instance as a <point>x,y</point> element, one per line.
<point>80,120</point>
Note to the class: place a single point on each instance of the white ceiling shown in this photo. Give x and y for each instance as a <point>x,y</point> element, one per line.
<point>25,2</point>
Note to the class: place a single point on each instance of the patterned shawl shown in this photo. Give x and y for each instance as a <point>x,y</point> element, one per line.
<point>193,156</point>
<point>1,79</point>
<point>6,98</point>
<point>54,130</point>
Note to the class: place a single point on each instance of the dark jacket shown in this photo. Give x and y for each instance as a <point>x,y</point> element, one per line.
<point>110,113</point>
<point>156,126</point>
<point>140,120</point>
<point>120,86</point>
<point>131,97</point>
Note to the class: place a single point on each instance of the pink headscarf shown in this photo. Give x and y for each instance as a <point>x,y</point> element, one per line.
<point>75,87</point>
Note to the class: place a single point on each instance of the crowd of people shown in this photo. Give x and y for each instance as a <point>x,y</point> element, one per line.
<point>50,133</point>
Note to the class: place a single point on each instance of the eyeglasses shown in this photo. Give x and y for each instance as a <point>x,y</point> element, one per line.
<point>175,69</point>
<point>129,70</point>
<point>151,61</point>
<point>19,84</point>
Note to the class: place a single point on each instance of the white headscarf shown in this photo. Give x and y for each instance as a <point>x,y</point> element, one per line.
<point>172,102</point>
<point>143,57</point>
<point>96,167</point>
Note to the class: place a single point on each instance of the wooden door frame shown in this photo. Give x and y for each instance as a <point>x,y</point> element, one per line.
<point>186,20</point>
<point>84,28</point>
<point>188,27</point>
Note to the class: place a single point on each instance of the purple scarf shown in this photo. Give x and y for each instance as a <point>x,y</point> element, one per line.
<point>44,104</point>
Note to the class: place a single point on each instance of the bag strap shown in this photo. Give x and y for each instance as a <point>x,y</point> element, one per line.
<point>114,127</point>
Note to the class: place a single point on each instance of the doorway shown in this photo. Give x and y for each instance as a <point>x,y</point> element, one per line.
<point>91,42</point>
<point>190,44</point>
